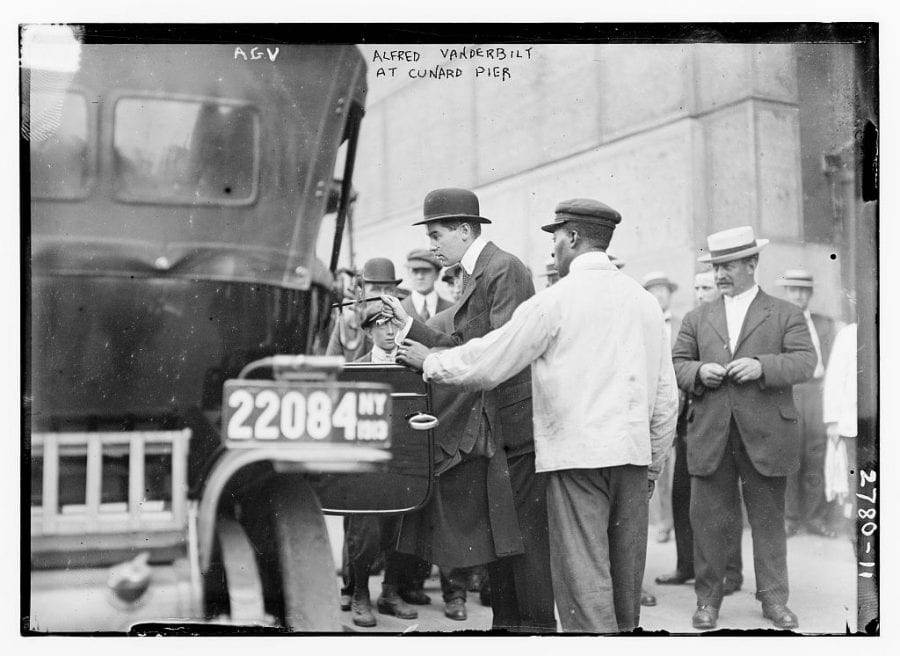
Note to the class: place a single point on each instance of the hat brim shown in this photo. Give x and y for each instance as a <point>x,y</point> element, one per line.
<point>382,282</point>
<point>553,227</point>
<point>738,255</point>
<point>453,217</point>
<point>781,282</point>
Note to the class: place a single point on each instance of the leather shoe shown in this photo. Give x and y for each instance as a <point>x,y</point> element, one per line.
<point>390,603</point>
<point>705,617</point>
<point>675,578</point>
<point>361,609</point>
<point>730,587</point>
<point>455,609</point>
<point>781,616</point>
<point>647,599</point>
<point>416,597</point>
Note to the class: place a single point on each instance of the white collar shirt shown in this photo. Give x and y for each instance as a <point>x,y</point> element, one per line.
<point>820,368</point>
<point>603,384</point>
<point>470,257</point>
<point>421,301</point>
<point>380,356</point>
<point>735,311</point>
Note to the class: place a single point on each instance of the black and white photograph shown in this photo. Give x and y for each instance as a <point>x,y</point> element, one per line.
<point>450,329</point>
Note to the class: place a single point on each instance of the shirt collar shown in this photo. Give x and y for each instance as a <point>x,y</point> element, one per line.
<point>420,299</point>
<point>807,314</point>
<point>743,297</point>
<point>471,256</point>
<point>592,260</point>
<point>379,355</point>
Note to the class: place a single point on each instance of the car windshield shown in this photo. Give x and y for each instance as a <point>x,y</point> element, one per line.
<point>59,144</point>
<point>168,150</point>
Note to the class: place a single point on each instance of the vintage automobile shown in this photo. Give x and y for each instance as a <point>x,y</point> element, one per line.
<point>184,439</point>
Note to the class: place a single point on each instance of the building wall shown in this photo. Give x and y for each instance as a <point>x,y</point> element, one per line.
<point>681,139</point>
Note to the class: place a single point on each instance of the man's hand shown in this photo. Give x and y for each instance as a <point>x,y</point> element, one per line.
<point>712,374</point>
<point>412,354</point>
<point>392,307</point>
<point>743,370</point>
<point>651,485</point>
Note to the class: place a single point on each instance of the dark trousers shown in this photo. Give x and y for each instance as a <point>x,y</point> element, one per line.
<point>454,582</point>
<point>714,505</point>
<point>365,537</point>
<point>598,546</point>
<point>521,586</point>
<point>684,534</point>
<point>805,495</point>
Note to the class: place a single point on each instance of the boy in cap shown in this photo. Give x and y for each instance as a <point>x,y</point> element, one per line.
<point>605,405</point>
<point>738,357</point>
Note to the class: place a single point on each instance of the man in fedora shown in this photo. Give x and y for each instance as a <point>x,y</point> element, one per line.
<point>805,504</point>
<point>347,338</point>
<point>424,302</point>
<point>662,288</point>
<point>737,357</point>
<point>499,443</point>
<point>605,406</point>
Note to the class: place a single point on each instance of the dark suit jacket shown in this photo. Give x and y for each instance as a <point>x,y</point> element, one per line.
<point>407,303</point>
<point>775,333</point>
<point>498,284</point>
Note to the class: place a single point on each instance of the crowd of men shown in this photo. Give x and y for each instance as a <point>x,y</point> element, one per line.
<point>563,411</point>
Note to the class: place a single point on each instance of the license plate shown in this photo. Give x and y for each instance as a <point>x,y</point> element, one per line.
<point>257,412</point>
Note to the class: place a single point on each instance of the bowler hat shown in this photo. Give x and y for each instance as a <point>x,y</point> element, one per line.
<point>658,278</point>
<point>795,278</point>
<point>380,270</point>
<point>451,204</point>
<point>420,256</point>
<point>585,210</point>
<point>732,244</point>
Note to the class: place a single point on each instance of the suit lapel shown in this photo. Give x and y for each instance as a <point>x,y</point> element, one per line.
<point>757,313</point>
<point>483,258</point>
<point>716,318</point>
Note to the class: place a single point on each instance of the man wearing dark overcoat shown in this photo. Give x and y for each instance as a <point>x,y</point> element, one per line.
<point>738,358</point>
<point>495,283</point>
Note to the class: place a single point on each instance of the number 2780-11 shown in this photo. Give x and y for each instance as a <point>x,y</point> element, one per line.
<point>293,415</point>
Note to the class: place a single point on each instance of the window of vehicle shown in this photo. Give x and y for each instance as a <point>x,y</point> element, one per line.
<point>60,162</point>
<point>185,151</point>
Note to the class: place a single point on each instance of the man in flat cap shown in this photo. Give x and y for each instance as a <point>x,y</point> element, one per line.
<point>494,437</point>
<point>738,357</point>
<point>805,504</point>
<point>424,302</point>
<point>605,404</point>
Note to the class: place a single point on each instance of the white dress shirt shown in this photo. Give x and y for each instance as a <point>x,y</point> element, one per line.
<point>820,368</point>
<point>603,384</point>
<point>839,387</point>
<point>735,311</point>
<point>470,257</point>
<point>421,301</point>
<point>380,356</point>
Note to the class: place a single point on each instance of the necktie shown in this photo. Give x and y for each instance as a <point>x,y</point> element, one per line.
<point>426,315</point>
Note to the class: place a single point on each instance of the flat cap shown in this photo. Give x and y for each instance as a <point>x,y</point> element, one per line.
<point>374,314</point>
<point>423,255</point>
<point>586,210</point>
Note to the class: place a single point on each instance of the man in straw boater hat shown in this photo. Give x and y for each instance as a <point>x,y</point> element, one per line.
<point>805,504</point>
<point>737,357</point>
<point>605,405</point>
<point>489,470</point>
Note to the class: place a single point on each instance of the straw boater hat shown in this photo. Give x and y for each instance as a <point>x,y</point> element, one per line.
<point>795,278</point>
<point>451,204</point>
<point>380,270</point>
<point>732,244</point>
<point>658,278</point>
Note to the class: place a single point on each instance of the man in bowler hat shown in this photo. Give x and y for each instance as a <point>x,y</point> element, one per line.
<point>738,358</point>
<point>495,434</point>
<point>605,404</point>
